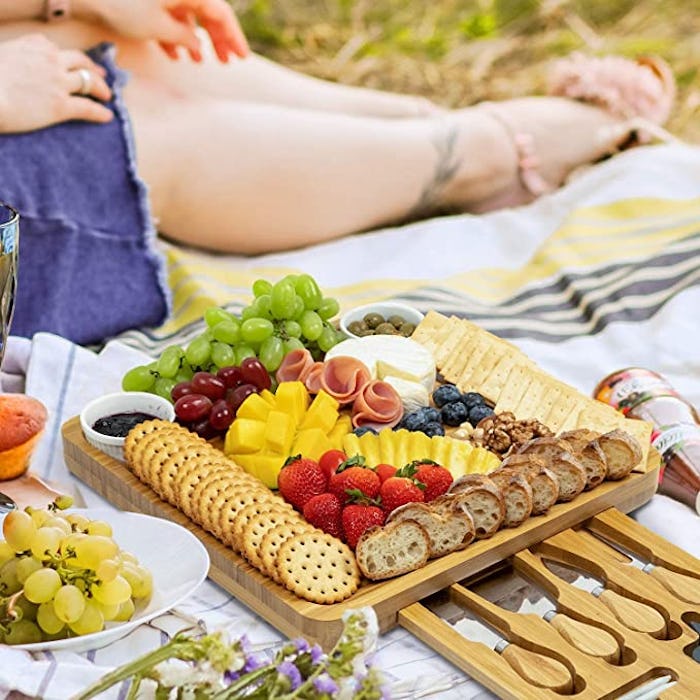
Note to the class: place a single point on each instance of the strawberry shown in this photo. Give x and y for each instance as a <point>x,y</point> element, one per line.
<point>397,490</point>
<point>357,517</point>
<point>329,461</point>
<point>300,479</point>
<point>354,477</point>
<point>324,512</point>
<point>384,471</point>
<point>435,478</point>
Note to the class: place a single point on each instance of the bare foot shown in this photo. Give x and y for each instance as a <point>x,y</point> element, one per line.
<point>510,152</point>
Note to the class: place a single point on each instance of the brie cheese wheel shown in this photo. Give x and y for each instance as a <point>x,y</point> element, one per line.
<point>413,395</point>
<point>390,356</point>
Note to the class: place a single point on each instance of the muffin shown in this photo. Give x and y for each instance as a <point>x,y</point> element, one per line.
<point>22,421</point>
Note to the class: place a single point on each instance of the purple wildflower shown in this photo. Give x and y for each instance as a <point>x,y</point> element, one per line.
<point>316,654</point>
<point>252,663</point>
<point>325,684</point>
<point>301,645</point>
<point>245,645</point>
<point>230,676</point>
<point>288,669</point>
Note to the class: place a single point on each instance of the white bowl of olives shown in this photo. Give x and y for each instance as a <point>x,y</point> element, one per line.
<point>380,318</point>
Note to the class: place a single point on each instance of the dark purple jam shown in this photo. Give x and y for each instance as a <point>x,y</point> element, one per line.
<point>119,424</point>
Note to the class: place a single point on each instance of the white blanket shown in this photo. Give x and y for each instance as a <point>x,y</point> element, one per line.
<point>635,264</point>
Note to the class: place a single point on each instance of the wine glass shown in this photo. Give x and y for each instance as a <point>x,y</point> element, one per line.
<point>9,243</point>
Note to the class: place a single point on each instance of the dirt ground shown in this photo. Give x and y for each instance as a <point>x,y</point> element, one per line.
<point>458,52</point>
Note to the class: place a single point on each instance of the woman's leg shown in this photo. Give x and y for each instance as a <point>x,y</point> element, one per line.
<point>249,178</point>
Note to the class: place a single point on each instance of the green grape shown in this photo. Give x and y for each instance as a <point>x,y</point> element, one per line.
<point>311,325</point>
<point>109,612</point>
<point>163,387</point>
<point>63,501</point>
<point>282,300</point>
<point>271,353</point>
<point>78,522</point>
<point>328,308</point>
<point>215,315</point>
<point>291,329</point>
<point>228,332</point>
<point>292,344</point>
<point>90,550</point>
<point>126,610</point>
<point>60,522</point>
<point>25,609</point>
<point>38,516</point>
<point>138,379</point>
<point>107,569</point>
<point>255,330</point>
<point>139,578</point>
<point>249,312</point>
<point>243,351</point>
<point>169,361</point>
<point>327,339</point>
<point>222,355</point>
<point>309,292</point>
<point>91,620</point>
<point>6,552</point>
<point>261,287</point>
<point>264,306</point>
<point>291,278</point>
<point>299,308</point>
<point>198,351</point>
<point>47,620</point>
<point>19,530</point>
<point>23,632</point>
<point>125,556</point>
<point>42,585</point>
<point>69,603</point>
<point>9,583</point>
<point>99,527</point>
<point>47,542</point>
<point>113,592</point>
<point>185,374</point>
<point>25,567</point>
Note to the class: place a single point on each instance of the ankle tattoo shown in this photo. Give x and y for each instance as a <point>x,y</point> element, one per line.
<point>445,143</point>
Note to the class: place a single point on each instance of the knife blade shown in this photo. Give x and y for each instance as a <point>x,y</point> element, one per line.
<point>631,613</point>
<point>537,669</point>
<point>6,503</point>
<point>682,586</point>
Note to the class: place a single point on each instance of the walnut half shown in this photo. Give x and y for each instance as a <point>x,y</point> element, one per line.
<point>503,432</point>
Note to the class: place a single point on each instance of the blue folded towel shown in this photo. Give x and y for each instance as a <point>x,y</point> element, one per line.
<point>88,268</point>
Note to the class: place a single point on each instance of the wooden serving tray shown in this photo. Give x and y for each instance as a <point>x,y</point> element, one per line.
<point>323,623</point>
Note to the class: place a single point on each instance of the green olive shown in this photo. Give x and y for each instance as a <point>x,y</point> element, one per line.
<point>385,328</point>
<point>396,321</point>
<point>366,331</point>
<point>373,319</point>
<point>356,327</point>
<point>407,329</point>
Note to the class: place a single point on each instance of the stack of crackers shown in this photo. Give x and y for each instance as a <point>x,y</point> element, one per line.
<point>240,511</point>
<point>476,360</point>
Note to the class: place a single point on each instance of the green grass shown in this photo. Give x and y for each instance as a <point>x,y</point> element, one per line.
<point>458,52</point>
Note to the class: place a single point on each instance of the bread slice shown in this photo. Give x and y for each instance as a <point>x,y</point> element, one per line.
<point>479,496</point>
<point>558,458</point>
<point>585,448</point>
<point>447,532</point>
<point>544,483</point>
<point>517,496</point>
<point>622,453</point>
<point>392,550</point>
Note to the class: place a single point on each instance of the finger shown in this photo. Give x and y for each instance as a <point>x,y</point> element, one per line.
<point>88,110</point>
<point>96,85</point>
<point>170,50</point>
<point>180,33</point>
<point>72,60</point>
<point>220,22</point>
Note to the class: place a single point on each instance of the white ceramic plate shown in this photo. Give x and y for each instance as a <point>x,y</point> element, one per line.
<point>176,558</point>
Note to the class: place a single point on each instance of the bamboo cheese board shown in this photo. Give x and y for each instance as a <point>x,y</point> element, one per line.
<point>390,599</point>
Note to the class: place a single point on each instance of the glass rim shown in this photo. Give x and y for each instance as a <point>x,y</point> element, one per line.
<point>13,219</point>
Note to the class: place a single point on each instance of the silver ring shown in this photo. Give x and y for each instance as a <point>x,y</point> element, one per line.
<point>85,81</point>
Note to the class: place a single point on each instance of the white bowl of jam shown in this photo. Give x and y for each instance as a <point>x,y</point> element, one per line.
<point>107,420</point>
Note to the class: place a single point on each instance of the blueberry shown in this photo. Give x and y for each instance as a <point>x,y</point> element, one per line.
<point>454,413</point>
<point>478,413</point>
<point>414,421</point>
<point>430,414</point>
<point>364,429</point>
<point>434,428</point>
<point>472,398</point>
<point>445,394</point>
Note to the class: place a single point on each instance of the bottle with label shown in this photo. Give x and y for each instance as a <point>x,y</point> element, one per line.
<point>646,395</point>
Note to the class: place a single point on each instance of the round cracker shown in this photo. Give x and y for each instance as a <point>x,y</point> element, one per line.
<point>273,539</point>
<point>256,528</point>
<point>138,432</point>
<point>236,513</point>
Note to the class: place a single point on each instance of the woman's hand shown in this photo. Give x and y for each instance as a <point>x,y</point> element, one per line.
<point>41,85</point>
<point>172,23</point>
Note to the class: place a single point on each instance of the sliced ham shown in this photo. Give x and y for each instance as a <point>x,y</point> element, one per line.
<point>312,377</point>
<point>295,366</point>
<point>377,406</point>
<point>343,378</point>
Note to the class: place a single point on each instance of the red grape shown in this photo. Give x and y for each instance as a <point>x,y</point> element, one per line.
<point>193,407</point>
<point>208,385</point>
<point>181,389</point>
<point>231,376</point>
<point>235,397</point>
<point>203,428</point>
<point>254,373</point>
<point>221,416</point>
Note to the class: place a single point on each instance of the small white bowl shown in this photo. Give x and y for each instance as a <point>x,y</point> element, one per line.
<point>385,308</point>
<point>120,402</point>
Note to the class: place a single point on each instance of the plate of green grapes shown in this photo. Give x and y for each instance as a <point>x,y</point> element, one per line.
<point>80,579</point>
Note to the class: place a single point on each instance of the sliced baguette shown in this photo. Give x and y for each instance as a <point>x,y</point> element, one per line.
<point>622,453</point>
<point>517,496</point>
<point>447,532</point>
<point>479,496</point>
<point>544,483</point>
<point>392,550</point>
<point>585,448</point>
